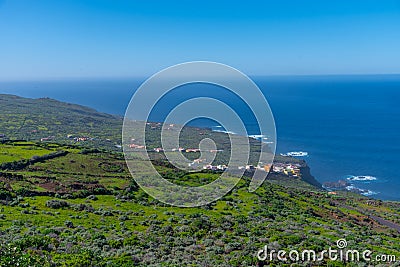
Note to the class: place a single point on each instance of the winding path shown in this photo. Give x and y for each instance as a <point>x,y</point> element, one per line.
<point>385,222</point>
<point>378,219</point>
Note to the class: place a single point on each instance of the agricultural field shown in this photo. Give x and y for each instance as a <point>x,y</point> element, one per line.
<point>27,167</point>
<point>22,150</point>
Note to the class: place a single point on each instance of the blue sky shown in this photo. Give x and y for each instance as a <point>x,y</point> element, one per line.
<point>47,39</point>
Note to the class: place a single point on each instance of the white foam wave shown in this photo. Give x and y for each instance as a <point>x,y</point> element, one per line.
<point>364,192</point>
<point>295,154</point>
<point>362,178</point>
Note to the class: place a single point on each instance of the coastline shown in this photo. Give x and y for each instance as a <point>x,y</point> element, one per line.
<point>322,157</point>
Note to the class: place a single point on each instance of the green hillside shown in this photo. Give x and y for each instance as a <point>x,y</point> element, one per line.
<point>68,203</point>
<point>34,119</point>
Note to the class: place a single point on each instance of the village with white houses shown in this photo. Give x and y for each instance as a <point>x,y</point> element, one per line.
<point>288,169</point>
<point>69,136</point>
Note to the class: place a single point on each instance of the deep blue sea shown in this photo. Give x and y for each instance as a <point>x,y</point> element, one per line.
<point>349,125</point>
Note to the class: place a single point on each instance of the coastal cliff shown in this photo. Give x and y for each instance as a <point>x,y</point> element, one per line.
<point>308,177</point>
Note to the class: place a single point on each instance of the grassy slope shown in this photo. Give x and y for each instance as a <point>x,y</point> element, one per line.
<point>128,227</point>
<point>122,226</point>
<point>33,119</point>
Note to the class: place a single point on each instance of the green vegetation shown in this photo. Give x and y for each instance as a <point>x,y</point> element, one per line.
<point>18,151</point>
<point>34,119</point>
<point>83,209</point>
<point>75,204</point>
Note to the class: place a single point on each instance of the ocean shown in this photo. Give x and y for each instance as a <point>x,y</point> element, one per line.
<point>349,125</point>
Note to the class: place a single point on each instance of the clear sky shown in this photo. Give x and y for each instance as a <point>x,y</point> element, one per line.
<point>42,39</point>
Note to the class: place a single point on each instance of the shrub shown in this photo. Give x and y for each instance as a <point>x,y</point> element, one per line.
<point>69,224</point>
<point>5,194</point>
<point>57,204</point>
<point>14,256</point>
<point>92,197</point>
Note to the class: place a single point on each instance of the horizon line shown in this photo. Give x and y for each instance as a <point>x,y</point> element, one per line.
<point>91,78</point>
